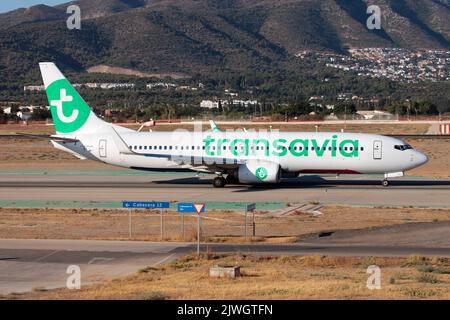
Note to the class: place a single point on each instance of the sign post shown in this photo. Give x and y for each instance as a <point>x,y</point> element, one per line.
<point>182,227</point>
<point>130,233</point>
<point>162,225</point>
<point>145,205</point>
<point>199,208</point>
<point>250,208</point>
<point>245,224</point>
<point>190,207</point>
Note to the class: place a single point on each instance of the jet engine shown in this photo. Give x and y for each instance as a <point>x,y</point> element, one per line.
<point>259,171</point>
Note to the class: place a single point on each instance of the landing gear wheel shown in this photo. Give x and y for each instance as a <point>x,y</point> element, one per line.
<point>219,182</point>
<point>385,183</point>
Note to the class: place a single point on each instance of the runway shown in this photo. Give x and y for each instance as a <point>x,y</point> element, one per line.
<point>365,190</point>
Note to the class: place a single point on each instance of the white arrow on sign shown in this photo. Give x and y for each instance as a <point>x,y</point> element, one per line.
<point>199,207</point>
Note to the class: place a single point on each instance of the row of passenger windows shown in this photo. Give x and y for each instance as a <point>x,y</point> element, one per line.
<point>258,148</point>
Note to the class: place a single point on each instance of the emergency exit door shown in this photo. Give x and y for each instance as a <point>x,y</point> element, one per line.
<point>378,150</point>
<point>102,148</point>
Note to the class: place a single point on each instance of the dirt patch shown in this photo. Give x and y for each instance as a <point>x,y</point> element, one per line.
<point>218,225</point>
<point>130,72</point>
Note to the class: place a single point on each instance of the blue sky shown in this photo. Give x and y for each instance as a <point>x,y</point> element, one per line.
<point>9,5</point>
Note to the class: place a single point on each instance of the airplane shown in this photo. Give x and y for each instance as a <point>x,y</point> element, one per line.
<point>250,157</point>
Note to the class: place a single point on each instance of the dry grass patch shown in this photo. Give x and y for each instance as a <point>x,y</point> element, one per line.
<point>267,277</point>
<point>112,224</point>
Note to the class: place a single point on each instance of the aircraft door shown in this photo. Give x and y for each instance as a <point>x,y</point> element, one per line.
<point>102,148</point>
<point>377,150</point>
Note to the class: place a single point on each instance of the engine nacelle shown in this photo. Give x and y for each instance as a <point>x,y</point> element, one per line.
<point>259,171</point>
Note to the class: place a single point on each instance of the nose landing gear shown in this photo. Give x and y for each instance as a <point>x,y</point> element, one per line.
<point>385,183</point>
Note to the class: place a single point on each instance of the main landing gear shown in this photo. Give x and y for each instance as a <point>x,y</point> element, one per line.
<point>219,182</point>
<point>385,183</point>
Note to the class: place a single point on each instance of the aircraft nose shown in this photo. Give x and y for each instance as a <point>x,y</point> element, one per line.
<point>421,158</point>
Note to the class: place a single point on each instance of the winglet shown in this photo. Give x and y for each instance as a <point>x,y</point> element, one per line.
<point>214,127</point>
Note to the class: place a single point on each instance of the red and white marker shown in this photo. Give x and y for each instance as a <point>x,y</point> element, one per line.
<point>199,207</point>
<point>444,129</point>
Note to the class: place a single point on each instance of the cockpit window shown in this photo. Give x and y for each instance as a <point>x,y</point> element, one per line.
<point>403,147</point>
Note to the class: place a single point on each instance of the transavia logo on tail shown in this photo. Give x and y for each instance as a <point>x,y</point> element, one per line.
<point>69,111</point>
<point>261,173</point>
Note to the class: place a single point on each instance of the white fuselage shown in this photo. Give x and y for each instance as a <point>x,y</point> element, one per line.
<point>297,152</point>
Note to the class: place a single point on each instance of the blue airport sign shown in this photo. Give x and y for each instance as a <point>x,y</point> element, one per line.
<point>188,207</point>
<point>145,205</point>
<point>251,207</point>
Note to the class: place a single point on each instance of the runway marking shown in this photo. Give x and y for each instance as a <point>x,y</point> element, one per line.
<point>46,256</point>
<point>101,259</point>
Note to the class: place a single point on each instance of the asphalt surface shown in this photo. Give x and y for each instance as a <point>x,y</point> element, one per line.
<point>332,190</point>
<point>27,265</point>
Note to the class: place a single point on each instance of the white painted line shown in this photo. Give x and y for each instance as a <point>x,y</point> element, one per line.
<point>47,255</point>
<point>96,259</point>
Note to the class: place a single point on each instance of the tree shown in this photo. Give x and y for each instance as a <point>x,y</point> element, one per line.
<point>40,114</point>
<point>345,108</point>
<point>3,116</point>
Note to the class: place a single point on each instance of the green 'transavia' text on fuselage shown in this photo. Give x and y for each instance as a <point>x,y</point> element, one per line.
<point>281,147</point>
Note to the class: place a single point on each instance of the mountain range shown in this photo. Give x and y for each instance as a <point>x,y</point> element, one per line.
<point>195,36</point>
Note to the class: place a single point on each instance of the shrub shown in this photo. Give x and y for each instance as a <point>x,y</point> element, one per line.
<point>153,295</point>
<point>427,278</point>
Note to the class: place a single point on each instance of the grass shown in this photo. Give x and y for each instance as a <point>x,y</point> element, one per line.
<point>427,278</point>
<point>267,277</point>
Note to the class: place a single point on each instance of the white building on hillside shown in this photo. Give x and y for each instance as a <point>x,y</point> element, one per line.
<point>209,104</point>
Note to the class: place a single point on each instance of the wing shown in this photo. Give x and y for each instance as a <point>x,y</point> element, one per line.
<point>38,136</point>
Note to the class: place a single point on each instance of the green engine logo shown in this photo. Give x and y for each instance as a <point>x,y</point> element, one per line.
<point>261,173</point>
<point>69,111</point>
